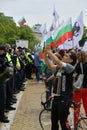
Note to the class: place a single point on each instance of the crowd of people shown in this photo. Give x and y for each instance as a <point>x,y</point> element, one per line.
<point>66,67</point>
<point>16,66</point>
<point>57,66</point>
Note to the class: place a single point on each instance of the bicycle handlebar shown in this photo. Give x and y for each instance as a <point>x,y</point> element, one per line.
<point>44,104</point>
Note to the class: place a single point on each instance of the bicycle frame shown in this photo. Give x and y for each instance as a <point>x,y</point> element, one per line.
<point>74,106</point>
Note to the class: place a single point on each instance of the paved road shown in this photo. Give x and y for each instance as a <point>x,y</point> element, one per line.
<point>27,115</point>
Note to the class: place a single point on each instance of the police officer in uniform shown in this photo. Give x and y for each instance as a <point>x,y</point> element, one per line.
<point>3,76</point>
<point>29,64</point>
<point>10,98</point>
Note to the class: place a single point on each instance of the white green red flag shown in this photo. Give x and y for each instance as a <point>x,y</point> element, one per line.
<point>49,40</point>
<point>22,21</point>
<point>63,33</point>
<point>46,41</point>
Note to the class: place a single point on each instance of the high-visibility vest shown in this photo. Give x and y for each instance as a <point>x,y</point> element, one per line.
<point>18,63</point>
<point>26,55</point>
<point>9,57</point>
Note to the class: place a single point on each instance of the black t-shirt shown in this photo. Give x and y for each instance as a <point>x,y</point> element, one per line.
<point>66,81</point>
<point>78,71</point>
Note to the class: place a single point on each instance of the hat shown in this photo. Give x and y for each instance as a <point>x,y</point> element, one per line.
<point>73,57</point>
<point>2,47</point>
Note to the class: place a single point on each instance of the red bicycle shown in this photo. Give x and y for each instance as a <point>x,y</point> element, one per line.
<point>81,124</point>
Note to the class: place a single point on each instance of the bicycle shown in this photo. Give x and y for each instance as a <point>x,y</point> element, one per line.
<point>80,125</point>
<point>44,119</point>
<point>44,115</point>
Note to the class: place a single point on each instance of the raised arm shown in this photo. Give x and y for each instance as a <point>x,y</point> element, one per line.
<point>55,59</point>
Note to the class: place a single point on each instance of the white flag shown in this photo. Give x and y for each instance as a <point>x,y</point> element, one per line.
<point>67,45</point>
<point>78,28</point>
<point>43,30</point>
<point>55,14</point>
<point>84,48</point>
<point>53,26</point>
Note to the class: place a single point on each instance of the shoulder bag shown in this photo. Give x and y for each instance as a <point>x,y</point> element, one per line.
<point>77,84</point>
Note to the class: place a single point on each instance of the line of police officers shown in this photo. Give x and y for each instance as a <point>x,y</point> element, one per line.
<point>15,66</point>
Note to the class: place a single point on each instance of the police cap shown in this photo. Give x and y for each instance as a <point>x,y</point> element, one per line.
<point>2,47</point>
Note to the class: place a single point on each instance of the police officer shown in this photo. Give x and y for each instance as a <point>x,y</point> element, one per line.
<point>29,64</point>
<point>10,99</point>
<point>3,76</point>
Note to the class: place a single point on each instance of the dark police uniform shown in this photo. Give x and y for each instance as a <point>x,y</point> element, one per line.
<point>4,74</point>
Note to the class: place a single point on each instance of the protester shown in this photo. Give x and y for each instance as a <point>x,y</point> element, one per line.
<point>63,90</point>
<point>48,83</point>
<point>81,95</point>
<point>38,64</point>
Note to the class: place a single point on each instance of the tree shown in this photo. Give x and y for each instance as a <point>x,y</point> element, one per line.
<point>9,32</point>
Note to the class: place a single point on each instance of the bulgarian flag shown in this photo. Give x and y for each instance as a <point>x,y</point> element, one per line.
<point>46,41</point>
<point>63,33</point>
<point>49,40</point>
<point>22,21</point>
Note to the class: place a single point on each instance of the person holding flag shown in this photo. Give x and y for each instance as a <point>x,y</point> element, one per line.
<point>63,90</point>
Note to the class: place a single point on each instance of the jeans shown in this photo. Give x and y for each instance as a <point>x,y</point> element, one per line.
<point>38,72</point>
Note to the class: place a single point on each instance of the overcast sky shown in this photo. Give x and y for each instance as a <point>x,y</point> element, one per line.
<point>40,11</point>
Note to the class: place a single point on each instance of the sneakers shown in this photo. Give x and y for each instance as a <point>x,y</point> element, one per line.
<point>40,82</point>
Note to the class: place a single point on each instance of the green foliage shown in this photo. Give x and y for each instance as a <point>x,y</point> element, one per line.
<point>9,32</point>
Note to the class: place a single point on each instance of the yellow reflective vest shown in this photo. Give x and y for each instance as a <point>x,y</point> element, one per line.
<point>9,57</point>
<point>18,65</point>
<point>27,57</point>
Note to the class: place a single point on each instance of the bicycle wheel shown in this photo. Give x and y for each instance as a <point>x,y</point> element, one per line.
<point>82,124</point>
<point>45,119</point>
